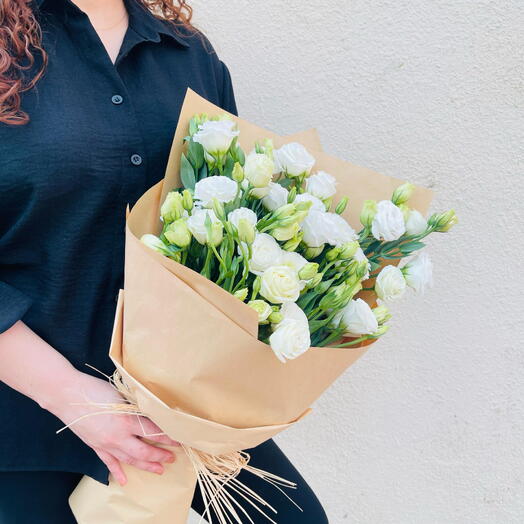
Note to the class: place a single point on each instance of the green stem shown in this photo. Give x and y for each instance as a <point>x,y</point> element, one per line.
<point>354,342</point>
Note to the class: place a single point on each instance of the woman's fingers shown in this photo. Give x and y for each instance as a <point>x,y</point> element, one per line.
<point>140,450</point>
<point>146,428</point>
<point>113,465</point>
<point>152,467</point>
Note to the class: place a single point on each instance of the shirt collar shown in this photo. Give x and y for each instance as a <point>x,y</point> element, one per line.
<point>146,24</point>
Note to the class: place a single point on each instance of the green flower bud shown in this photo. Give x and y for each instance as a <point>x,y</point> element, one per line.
<point>238,173</point>
<point>313,252</point>
<point>315,281</point>
<point>402,194</point>
<point>246,232</point>
<point>282,234</point>
<point>276,317</point>
<point>382,314</point>
<point>172,208</point>
<point>263,309</point>
<point>285,211</point>
<point>304,206</point>
<point>443,222</point>
<point>241,294</point>
<point>214,232</point>
<point>300,216</point>
<point>268,147</point>
<point>336,298</point>
<point>348,250</point>
<point>178,233</point>
<point>187,200</point>
<point>342,205</point>
<point>333,254</point>
<point>286,221</point>
<point>257,283</point>
<point>218,208</point>
<point>293,243</point>
<point>369,210</point>
<point>327,202</point>
<point>362,269</point>
<point>308,271</point>
<point>292,195</point>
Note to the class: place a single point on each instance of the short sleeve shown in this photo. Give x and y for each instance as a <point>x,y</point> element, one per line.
<point>13,306</point>
<point>227,95</point>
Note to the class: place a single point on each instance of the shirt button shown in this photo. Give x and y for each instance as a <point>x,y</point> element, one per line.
<point>117,100</point>
<point>136,160</point>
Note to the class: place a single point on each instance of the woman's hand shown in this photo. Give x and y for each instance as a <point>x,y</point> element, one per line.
<point>115,438</point>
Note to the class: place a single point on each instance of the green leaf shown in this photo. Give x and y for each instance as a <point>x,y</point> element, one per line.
<point>410,247</point>
<point>285,182</point>
<point>196,154</point>
<point>203,172</point>
<point>187,173</point>
<point>228,168</point>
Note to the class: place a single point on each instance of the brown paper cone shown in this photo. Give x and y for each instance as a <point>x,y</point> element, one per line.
<point>147,498</point>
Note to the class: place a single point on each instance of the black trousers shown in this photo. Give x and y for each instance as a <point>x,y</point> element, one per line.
<point>40,497</point>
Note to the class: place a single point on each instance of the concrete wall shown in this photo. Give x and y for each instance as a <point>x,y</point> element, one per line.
<point>428,427</point>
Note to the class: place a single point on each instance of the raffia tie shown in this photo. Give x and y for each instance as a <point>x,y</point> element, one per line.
<point>217,475</point>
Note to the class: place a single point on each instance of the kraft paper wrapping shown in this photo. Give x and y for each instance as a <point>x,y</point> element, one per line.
<point>189,352</point>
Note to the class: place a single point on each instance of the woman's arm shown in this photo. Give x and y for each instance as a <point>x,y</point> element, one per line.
<point>31,366</point>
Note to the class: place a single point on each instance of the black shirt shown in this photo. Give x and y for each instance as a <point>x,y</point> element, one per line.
<point>98,138</point>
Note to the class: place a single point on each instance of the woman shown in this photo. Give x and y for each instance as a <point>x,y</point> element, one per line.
<point>90,93</point>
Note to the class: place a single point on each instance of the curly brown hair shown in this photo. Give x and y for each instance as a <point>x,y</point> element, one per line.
<point>21,48</point>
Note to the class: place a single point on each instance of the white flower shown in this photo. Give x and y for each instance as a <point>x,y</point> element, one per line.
<point>291,337</point>
<point>265,252</point>
<point>390,284</point>
<point>291,311</point>
<point>262,308</point>
<point>280,284</point>
<point>361,257</point>
<point>277,197</point>
<point>220,187</point>
<point>294,160</point>
<point>216,136</point>
<point>416,223</point>
<point>258,169</point>
<point>419,272</point>
<point>242,213</point>
<point>326,228</point>
<point>293,260</point>
<point>388,223</point>
<point>322,185</point>
<point>197,223</point>
<point>357,318</point>
<point>317,204</point>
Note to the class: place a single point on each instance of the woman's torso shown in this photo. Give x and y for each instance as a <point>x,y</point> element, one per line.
<point>99,136</point>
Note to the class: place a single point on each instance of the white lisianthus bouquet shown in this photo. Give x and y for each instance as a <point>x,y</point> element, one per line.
<point>270,230</point>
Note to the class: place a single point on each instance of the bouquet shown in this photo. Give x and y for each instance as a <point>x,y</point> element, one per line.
<point>269,231</point>
<point>249,288</point>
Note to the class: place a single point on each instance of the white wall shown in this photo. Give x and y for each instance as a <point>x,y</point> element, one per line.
<point>428,427</point>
